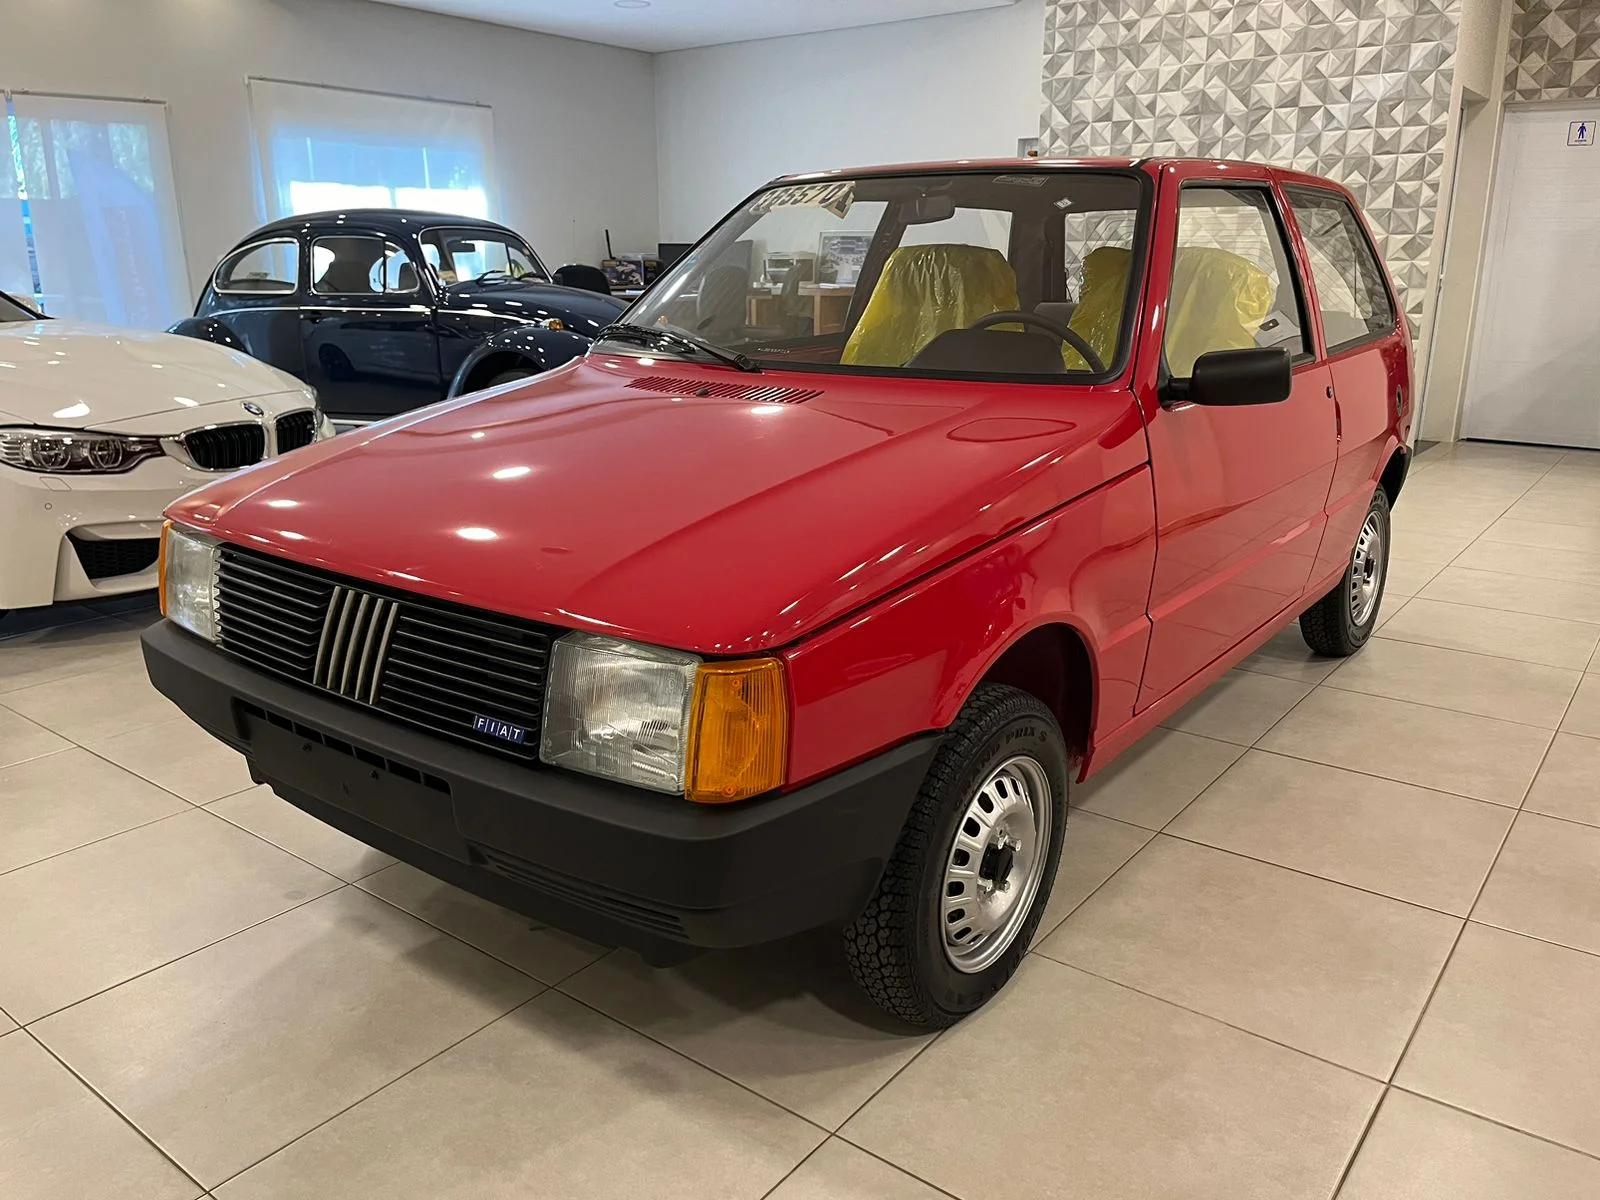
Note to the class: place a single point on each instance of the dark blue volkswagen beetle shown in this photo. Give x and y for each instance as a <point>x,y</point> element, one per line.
<point>382,310</point>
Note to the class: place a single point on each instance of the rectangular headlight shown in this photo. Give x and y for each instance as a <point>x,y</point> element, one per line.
<point>618,709</point>
<point>665,720</point>
<point>188,575</point>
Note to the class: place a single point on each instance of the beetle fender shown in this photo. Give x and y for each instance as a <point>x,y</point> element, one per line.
<point>529,346</point>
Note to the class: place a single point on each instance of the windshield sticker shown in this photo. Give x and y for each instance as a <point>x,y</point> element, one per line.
<point>835,197</point>
<point>1033,181</point>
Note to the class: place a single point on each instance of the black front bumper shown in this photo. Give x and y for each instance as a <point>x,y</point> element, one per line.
<point>614,864</point>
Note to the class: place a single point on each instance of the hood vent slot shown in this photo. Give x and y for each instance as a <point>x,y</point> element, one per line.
<point>768,394</point>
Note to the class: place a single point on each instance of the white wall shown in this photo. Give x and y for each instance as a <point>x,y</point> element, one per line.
<point>729,118</point>
<point>575,140</point>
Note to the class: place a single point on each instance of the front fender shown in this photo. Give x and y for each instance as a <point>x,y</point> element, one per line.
<point>539,349</point>
<point>208,329</point>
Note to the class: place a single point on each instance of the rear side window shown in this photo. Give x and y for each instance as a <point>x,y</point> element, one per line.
<point>1232,285</point>
<point>1351,294</point>
<point>270,268</point>
<point>360,265</point>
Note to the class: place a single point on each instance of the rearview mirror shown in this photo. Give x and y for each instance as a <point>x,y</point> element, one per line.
<point>926,210</point>
<point>1229,378</point>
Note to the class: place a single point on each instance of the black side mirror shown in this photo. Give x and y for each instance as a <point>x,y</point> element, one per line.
<point>1226,378</point>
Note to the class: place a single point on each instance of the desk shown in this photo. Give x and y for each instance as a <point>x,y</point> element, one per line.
<point>830,305</point>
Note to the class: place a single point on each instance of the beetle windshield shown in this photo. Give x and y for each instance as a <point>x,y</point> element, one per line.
<point>479,255</point>
<point>1005,274</point>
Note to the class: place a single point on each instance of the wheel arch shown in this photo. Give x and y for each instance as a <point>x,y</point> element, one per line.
<point>1054,663</point>
<point>1393,477</point>
<point>541,349</point>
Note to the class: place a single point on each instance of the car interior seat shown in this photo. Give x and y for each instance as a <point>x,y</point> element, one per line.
<point>1097,319</point>
<point>405,278</point>
<point>1218,302</point>
<point>925,291</point>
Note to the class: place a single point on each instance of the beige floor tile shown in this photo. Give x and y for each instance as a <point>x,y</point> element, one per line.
<point>1533,639</point>
<point>60,651</point>
<point>1094,850</point>
<point>553,1100</point>
<point>1511,1035</point>
<point>1288,657</point>
<point>1419,1150</point>
<point>1152,781</point>
<point>838,1171</point>
<point>1543,534</point>
<point>1555,510</point>
<point>1434,747</point>
<point>1527,693</point>
<point>1584,715</point>
<point>1546,883</point>
<point>1118,1096</point>
<point>1417,544</point>
<point>261,812</point>
<point>549,955</point>
<point>1406,579</point>
<point>227,1055</point>
<point>1408,842</point>
<point>21,739</point>
<point>52,804</point>
<point>785,1020</point>
<point>90,708</point>
<point>1537,562</point>
<point>1240,707</point>
<point>58,1141</point>
<point>83,921</point>
<point>181,757</point>
<point>1515,593</point>
<point>1327,969</point>
<point>1568,784</point>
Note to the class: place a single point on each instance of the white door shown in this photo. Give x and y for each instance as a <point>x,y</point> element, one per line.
<point>1535,369</point>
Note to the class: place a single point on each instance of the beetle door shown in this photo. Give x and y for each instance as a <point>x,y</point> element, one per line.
<point>255,293</point>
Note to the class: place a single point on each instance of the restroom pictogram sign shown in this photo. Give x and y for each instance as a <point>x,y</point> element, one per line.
<point>1581,133</point>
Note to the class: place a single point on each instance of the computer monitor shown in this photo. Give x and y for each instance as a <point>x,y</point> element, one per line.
<point>671,252</point>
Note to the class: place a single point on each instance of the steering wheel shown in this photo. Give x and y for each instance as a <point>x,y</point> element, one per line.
<point>1071,338</point>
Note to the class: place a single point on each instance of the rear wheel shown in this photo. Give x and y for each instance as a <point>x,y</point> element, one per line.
<point>963,892</point>
<point>510,375</point>
<point>1341,622</point>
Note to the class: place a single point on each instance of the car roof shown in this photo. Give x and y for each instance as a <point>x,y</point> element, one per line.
<point>386,220</point>
<point>982,165</point>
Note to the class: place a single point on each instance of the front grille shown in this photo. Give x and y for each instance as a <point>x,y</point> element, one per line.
<point>439,666</point>
<point>296,429</point>
<point>226,447</point>
<point>108,558</point>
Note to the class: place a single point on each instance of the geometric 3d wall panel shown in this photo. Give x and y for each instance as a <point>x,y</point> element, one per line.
<point>1356,90</point>
<point>1555,50</point>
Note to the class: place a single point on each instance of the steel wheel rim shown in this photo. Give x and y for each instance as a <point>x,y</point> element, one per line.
<point>995,864</point>
<point>1366,571</point>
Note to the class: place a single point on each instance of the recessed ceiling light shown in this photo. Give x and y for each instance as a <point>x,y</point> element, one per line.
<point>631,3</point>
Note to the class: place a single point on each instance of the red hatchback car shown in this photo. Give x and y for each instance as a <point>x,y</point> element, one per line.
<point>910,496</point>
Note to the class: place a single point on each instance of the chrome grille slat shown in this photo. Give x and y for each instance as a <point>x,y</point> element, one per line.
<point>429,663</point>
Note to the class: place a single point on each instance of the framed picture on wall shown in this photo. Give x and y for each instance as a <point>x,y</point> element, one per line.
<point>840,254</point>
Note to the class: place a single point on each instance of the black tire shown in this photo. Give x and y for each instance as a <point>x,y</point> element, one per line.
<point>1329,626</point>
<point>896,947</point>
<point>510,375</point>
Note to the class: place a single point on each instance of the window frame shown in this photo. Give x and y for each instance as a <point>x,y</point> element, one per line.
<point>387,241</point>
<point>1291,258</point>
<point>240,252</point>
<point>1330,349</point>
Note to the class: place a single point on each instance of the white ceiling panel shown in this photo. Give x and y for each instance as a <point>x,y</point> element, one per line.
<point>660,25</point>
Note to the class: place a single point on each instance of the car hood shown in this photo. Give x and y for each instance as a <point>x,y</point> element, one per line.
<point>609,496</point>
<point>73,375</point>
<point>584,312</point>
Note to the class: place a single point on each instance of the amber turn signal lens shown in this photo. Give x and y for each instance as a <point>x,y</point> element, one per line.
<point>739,731</point>
<point>161,567</point>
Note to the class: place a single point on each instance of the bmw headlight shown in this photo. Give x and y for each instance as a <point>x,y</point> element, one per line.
<point>665,720</point>
<point>74,451</point>
<point>188,574</point>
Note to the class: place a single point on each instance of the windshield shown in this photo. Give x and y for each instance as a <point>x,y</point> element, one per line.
<point>467,255</point>
<point>13,310</point>
<point>1018,274</point>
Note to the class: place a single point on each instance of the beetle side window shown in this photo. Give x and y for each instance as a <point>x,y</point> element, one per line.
<point>1351,294</point>
<point>1232,285</point>
<point>267,269</point>
<point>359,265</point>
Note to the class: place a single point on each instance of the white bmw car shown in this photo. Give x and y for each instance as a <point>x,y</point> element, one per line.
<point>100,429</point>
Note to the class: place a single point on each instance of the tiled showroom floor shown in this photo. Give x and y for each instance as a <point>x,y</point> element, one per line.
<point>1336,931</point>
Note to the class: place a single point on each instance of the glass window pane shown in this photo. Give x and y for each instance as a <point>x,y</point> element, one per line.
<point>272,268</point>
<point>1351,295</point>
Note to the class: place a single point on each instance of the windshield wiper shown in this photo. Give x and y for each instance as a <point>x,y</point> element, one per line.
<point>673,337</point>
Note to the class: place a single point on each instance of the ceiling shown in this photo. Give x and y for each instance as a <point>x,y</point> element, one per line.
<point>681,24</point>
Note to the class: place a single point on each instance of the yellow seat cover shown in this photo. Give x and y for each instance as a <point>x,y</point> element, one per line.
<point>1218,303</point>
<point>923,292</point>
<point>1098,317</point>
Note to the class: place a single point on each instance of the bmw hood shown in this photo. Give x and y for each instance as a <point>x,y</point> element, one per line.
<point>73,375</point>
<point>582,312</point>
